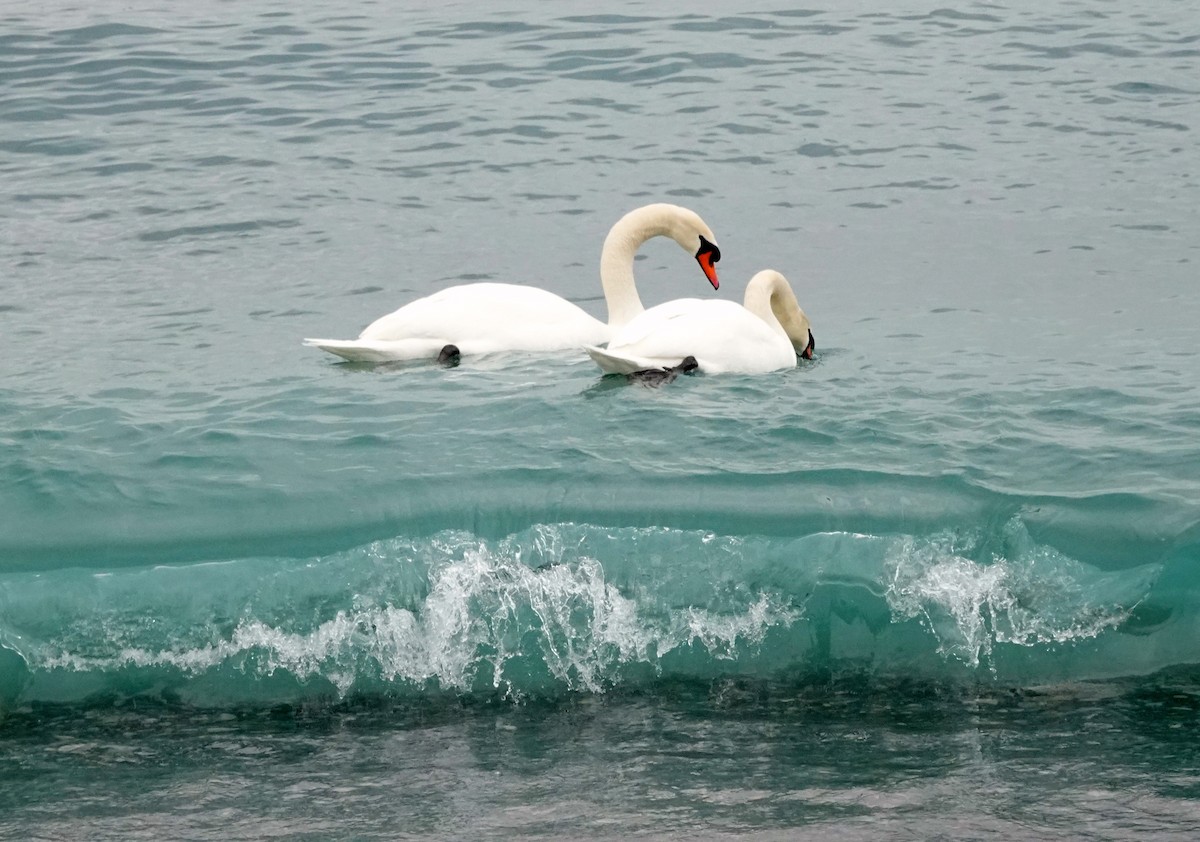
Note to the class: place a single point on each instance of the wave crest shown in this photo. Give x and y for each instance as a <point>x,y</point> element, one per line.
<point>579,608</point>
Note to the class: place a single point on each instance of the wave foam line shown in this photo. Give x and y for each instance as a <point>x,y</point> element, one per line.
<point>483,617</point>
<point>580,607</point>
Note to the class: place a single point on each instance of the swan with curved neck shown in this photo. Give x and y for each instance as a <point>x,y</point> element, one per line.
<point>484,318</point>
<point>765,333</point>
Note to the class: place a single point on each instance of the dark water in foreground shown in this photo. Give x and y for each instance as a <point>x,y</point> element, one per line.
<point>738,758</point>
<point>941,582</point>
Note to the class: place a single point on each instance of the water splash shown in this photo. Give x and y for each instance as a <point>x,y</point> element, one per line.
<point>488,619</point>
<point>562,608</point>
<point>1029,596</point>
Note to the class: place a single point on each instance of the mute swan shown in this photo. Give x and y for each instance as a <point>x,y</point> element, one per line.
<point>763,335</point>
<point>486,317</point>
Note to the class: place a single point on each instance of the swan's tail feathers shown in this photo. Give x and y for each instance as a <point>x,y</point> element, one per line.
<point>378,350</point>
<point>614,363</point>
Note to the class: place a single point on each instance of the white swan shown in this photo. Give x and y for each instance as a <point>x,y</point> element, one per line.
<point>763,335</point>
<point>485,317</point>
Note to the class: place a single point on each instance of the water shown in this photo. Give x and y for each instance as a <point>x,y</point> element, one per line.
<point>940,581</point>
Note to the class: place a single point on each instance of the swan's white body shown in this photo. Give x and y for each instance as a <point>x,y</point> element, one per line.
<point>484,318</point>
<point>764,334</point>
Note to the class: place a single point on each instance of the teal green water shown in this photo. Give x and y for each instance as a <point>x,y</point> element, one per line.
<point>942,580</point>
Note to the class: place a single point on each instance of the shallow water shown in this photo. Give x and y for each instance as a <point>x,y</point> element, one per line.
<point>941,580</point>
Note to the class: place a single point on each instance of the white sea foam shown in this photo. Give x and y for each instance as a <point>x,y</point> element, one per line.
<point>486,614</point>
<point>1036,596</point>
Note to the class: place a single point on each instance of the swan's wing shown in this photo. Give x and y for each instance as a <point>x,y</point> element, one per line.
<point>693,327</point>
<point>490,317</point>
<point>670,316</point>
<point>721,335</point>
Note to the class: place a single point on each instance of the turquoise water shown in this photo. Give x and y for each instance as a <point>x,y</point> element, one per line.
<point>939,581</point>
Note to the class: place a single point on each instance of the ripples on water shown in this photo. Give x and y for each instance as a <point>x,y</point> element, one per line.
<point>988,215</point>
<point>793,599</point>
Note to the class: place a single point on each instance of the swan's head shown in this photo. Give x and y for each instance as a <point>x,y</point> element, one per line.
<point>807,353</point>
<point>690,231</point>
<point>769,295</point>
<point>680,224</point>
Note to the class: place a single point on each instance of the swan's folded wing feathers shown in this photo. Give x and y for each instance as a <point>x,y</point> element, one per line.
<point>651,323</point>
<point>721,335</point>
<point>486,317</point>
<point>680,328</point>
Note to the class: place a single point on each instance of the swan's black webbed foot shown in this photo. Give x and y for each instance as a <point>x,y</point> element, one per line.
<point>686,366</point>
<point>449,356</point>
<point>662,376</point>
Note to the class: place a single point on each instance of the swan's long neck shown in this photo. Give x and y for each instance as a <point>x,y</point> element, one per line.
<point>770,297</point>
<point>616,274</point>
<point>620,247</point>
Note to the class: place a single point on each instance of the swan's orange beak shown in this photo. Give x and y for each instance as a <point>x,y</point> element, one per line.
<point>812,346</point>
<point>706,263</point>
<point>707,257</point>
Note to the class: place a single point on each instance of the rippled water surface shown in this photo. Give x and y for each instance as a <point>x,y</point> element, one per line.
<point>939,581</point>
